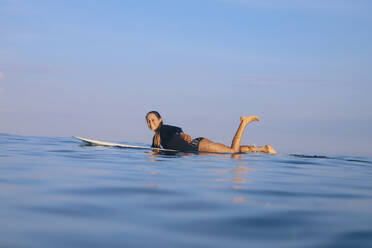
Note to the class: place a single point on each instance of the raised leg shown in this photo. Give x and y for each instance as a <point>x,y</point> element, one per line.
<point>209,146</point>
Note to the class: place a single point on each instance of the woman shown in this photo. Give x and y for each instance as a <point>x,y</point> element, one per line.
<point>171,137</point>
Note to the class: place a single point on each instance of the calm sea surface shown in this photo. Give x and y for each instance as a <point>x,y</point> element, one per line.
<point>54,192</point>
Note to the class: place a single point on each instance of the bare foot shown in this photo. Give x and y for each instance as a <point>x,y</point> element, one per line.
<point>249,119</point>
<point>270,150</point>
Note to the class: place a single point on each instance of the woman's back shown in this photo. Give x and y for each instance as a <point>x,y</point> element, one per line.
<point>170,139</point>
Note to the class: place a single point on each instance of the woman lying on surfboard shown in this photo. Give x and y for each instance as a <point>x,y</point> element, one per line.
<point>171,137</point>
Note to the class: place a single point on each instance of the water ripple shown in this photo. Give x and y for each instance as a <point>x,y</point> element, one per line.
<point>116,191</point>
<point>56,193</point>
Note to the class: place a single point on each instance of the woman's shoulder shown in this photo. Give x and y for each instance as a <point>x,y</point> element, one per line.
<point>170,128</point>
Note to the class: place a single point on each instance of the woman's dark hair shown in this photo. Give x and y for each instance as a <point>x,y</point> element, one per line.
<point>156,139</point>
<point>156,113</point>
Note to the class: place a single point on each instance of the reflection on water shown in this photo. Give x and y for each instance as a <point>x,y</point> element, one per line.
<point>56,193</point>
<point>238,178</point>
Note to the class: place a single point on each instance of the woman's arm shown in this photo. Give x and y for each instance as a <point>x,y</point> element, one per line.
<point>186,137</point>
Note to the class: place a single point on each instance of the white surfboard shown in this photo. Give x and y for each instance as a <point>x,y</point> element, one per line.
<point>104,143</point>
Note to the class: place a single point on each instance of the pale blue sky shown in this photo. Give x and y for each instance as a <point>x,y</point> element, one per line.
<point>94,68</point>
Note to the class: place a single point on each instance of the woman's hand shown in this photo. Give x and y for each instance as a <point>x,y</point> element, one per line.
<point>186,137</point>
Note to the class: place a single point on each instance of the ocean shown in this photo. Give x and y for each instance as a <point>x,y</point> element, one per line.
<point>56,192</point>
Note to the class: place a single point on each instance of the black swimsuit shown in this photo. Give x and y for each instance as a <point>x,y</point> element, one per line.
<point>171,139</point>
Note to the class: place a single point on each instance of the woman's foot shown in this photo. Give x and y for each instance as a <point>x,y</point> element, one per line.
<point>269,149</point>
<point>249,119</point>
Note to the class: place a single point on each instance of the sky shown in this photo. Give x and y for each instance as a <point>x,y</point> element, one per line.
<point>95,68</point>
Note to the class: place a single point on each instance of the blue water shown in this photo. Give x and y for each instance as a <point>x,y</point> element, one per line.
<point>54,192</point>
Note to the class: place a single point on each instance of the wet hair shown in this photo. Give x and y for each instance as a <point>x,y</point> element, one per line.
<point>156,139</point>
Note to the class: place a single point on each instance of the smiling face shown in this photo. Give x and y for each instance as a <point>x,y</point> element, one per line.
<point>153,121</point>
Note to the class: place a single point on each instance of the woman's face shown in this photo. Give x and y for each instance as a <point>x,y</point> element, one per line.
<point>153,122</point>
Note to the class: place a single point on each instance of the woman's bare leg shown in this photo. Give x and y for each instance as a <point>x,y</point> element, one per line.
<point>209,146</point>
<point>267,149</point>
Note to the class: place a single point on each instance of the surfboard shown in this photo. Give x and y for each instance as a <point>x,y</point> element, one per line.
<point>104,143</point>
